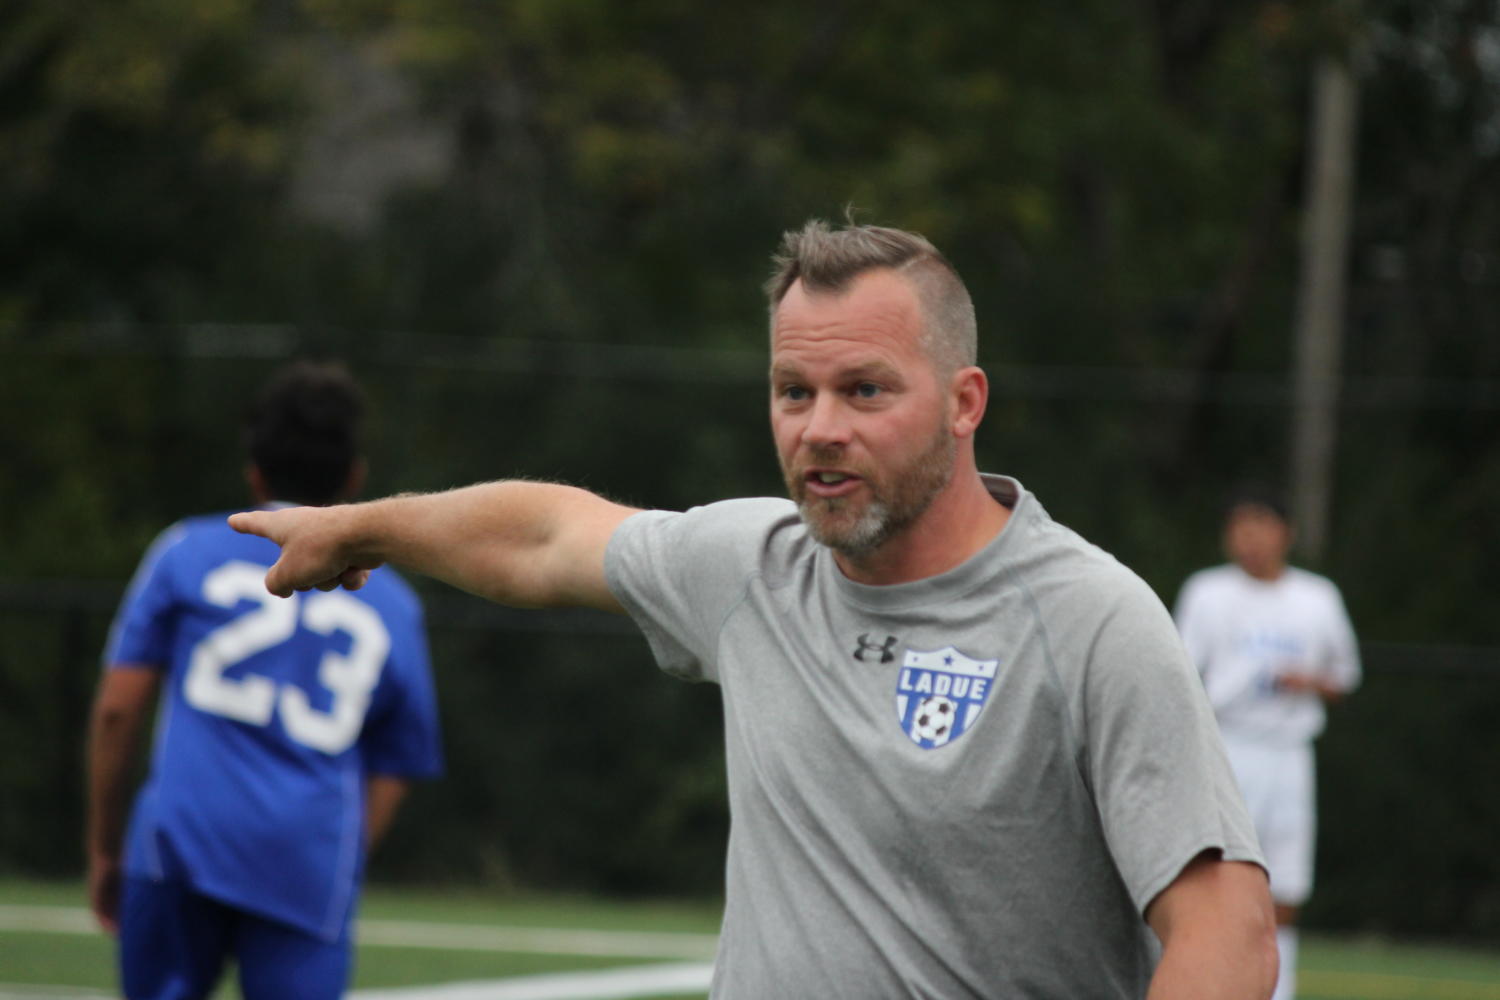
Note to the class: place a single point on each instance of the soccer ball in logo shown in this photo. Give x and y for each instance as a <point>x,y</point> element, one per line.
<point>935,717</point>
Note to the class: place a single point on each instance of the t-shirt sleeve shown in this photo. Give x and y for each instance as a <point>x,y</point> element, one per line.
<point>142,630</point>
<point>401,736</point>
<point>679,574</point>
<point>1162,784</point>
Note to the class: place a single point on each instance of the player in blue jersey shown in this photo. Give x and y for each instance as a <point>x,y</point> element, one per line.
<point>287,732</point>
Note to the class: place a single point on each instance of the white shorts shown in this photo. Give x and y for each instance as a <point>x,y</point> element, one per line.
<point>1279,787</point>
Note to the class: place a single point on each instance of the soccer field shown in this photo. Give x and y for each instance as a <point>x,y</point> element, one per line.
<point>504,947</point>
<point>477,946</point>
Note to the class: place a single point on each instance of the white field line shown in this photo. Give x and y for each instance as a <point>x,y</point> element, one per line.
<point>445,936</point>
<point>26,991</point>
<point>536,940</point>
<point>605,984</point>
<point>48,919</point>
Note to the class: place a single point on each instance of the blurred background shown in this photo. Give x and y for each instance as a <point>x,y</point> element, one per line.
<point>1208,240</point>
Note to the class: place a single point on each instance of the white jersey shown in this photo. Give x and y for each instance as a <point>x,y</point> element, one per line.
<point>1243,633</point>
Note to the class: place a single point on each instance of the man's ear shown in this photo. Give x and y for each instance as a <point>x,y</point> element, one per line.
<point>970,390</point>
<point>359,471</point>
<point>260,493</point>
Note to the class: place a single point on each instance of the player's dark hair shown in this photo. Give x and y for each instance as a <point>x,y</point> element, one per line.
<point>303,431</point>
<point>1257,494</point>
<point>828,260</point>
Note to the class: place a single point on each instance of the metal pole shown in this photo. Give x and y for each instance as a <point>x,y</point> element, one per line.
<point>1320,305</point>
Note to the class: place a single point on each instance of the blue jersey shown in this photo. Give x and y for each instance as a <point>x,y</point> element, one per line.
<point>274,712</point>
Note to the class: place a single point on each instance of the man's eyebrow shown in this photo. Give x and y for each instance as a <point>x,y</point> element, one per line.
<point>873,369</point>
<point>783,372</point>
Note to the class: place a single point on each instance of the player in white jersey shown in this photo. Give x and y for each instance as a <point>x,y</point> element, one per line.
<point>968,757</point>
<point>1274,645</point>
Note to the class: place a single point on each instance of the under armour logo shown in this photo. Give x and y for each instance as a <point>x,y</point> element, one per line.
<point>866,645</point>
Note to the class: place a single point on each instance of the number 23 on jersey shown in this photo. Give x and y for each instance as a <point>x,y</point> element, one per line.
<point>253,698</point>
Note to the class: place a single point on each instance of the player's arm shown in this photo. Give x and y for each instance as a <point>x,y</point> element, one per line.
<point>123,701</point>
<point>518,543</point>
<point>1297,682</point>
<point>384,794</point>
<point>1218,933</point>
<point>1338,671</point>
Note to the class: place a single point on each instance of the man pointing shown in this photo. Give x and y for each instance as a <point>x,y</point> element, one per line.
<point>967,754</point>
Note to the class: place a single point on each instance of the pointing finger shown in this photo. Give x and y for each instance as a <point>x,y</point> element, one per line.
<point>251,522</point>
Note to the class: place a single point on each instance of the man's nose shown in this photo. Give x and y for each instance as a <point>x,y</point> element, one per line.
<point>828,423</point>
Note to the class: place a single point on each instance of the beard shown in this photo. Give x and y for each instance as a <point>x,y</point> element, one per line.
<point>857,527</point>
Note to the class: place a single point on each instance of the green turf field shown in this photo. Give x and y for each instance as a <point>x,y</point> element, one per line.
<point>412,939</point>
<point>408,939</point>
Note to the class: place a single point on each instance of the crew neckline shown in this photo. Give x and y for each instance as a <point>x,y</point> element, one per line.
<point>959,580</point>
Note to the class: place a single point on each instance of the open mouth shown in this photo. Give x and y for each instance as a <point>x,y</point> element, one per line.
<point>830,482</point>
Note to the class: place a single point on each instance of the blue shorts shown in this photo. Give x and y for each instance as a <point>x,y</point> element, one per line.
<point>174,942</point>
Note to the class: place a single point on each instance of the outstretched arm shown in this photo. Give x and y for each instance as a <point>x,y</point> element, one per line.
<point>1217,931</point>
<point>518,543</point>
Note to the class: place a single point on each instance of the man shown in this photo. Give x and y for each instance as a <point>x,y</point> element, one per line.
<point>286,736</point>
<point>966,751</point>
<point>1274,645</point>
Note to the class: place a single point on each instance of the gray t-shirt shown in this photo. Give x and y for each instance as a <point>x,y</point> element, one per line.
<point>967,786</point>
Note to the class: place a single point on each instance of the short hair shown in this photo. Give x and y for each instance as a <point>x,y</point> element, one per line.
<point>828,260</point>
<point>1256,494</point>
<point>303,431</point>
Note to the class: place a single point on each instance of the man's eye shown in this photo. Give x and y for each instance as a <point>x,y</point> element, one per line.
<point>795,393</point>
<point>867,390</point>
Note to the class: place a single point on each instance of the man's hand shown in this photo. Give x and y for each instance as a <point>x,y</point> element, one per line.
<point>1295,682</point>
<point>318,547</point>
<point>104,891</point>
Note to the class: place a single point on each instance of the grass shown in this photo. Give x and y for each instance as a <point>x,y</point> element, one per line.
<point>1376,969</point>
<point>394,966</point>
<point>86,961</point>
<point>1331,968</point>
<point>481,907</point>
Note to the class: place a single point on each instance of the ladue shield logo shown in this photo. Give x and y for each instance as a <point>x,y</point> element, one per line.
<point>939,695</point>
